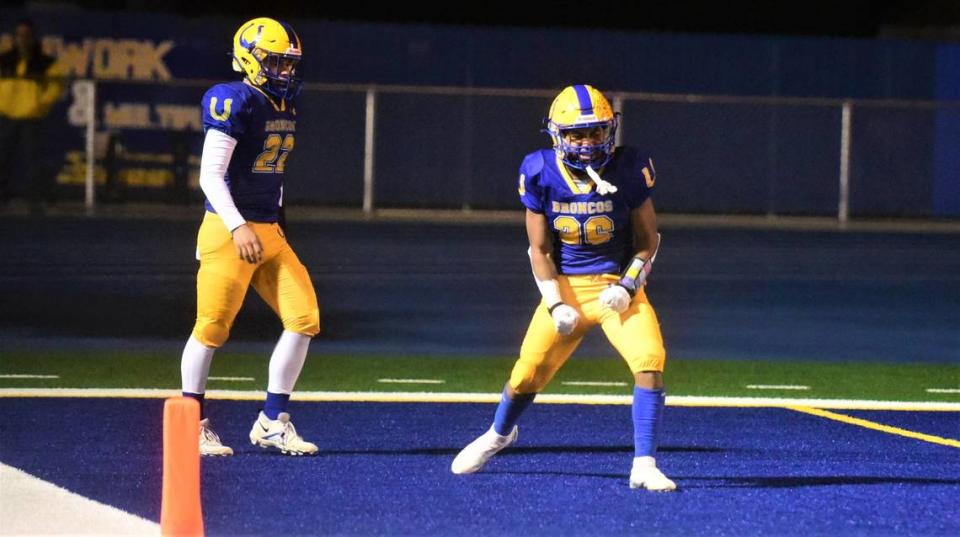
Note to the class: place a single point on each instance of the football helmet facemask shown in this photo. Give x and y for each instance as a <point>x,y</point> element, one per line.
<point>583,109</point>
<point>268,52</point>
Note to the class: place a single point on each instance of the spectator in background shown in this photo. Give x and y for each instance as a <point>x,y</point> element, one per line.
<point>28,90</point>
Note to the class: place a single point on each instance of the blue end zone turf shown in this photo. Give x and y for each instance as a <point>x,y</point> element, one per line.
<point>384,469</point>
<point>948,426</point>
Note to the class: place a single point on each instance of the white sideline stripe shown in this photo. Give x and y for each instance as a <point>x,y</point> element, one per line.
<point>411,381</point>
<point>233,379</point>
<point>592,383</point>
<point>29,376</point>
<point>777,387</point>
<point>943,390</point>
<point>458,397</point>
<point>32,506</point>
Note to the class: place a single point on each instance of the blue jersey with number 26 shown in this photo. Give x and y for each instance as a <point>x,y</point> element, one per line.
<point>591,233</point>
<point>264,131</point>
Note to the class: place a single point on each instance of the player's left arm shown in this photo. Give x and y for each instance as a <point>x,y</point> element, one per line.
<point>643,220</point>
<point>646,242</point>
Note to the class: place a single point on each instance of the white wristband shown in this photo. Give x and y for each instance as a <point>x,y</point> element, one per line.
<point>550,290</point>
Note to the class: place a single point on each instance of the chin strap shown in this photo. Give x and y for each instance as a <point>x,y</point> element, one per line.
<point>603,187</point>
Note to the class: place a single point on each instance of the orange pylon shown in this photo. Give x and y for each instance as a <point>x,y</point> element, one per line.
<point>180,513</point>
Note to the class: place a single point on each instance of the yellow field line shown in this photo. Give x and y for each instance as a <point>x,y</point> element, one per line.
<point>877,426</point>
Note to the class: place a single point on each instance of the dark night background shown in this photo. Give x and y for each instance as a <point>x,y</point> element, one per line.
<point>916,19</point>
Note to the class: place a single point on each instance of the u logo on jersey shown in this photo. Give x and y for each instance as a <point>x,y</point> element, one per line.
<point>220,116</point>
<point>649,174</point>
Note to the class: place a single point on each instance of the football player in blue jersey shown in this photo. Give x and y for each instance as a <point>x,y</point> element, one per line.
<point>593,240</point>
<point>250,128</point>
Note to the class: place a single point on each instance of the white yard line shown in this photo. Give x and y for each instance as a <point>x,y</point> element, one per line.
<point>460,397</point>
<point>411,381</point>
<point>32,506</point>
<point>233,379</point>
<point>943,390</point>
<point>776,387</point>
<point>29,376</point>
<point>592,383</point>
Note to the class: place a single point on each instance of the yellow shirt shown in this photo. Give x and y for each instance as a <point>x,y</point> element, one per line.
<point>29,98</point>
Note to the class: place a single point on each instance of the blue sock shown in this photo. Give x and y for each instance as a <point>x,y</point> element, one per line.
<point>509,410</point>
<point>275,404</point>
<point>647,411</point>
<point>198,397</point>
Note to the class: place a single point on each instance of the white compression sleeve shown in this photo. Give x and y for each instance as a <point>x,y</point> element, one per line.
<point>195,366</point>
<point>287,361</point>
<point>217,149</point>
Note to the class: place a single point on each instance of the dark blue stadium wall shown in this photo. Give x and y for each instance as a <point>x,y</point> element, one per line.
<point>535,58</point>
<point>463,151</point>
<point>946,186</point>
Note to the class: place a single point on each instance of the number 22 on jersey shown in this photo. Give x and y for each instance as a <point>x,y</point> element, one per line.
<point>274,155</point>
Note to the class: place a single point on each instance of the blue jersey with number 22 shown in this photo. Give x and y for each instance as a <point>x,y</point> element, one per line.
<point>591,233</point>
<point>264,131</point>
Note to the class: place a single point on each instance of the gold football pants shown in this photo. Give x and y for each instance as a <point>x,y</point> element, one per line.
<point>222,281</point>
<point>635,333</point>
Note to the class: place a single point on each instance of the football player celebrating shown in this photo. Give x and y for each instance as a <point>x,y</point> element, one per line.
<point>593,239</point>
<point>249,128</point>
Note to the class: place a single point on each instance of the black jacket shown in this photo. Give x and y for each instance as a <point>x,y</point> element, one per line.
<point>37,65</point>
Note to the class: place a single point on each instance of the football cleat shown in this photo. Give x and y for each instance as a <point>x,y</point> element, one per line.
<point>645,474</point>
<point>280,434</point>
<point>477,453</point>
<point>210,444</point>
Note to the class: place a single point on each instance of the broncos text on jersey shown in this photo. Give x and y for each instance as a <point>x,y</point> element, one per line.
<point>592,232</point>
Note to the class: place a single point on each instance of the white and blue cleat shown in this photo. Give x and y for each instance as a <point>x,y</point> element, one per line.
<point>477,453</point>
<point>210,444</point>
<point>281,435</point>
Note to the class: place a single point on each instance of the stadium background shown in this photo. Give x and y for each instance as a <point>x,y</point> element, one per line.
<point>744,116</point>
<point>458,106</point>
<point>740,124</point>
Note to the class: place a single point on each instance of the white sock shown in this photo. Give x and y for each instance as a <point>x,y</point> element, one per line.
<point>287,361</point>
<point>195,366</point>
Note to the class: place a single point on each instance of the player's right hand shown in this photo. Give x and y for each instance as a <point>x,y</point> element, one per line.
<point>565,318</point>
<point>248,245</point>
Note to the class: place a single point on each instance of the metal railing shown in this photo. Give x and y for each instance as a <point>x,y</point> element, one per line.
<point>378,106</point>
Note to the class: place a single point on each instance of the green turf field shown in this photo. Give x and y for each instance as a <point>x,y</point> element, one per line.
<point>858,381</point>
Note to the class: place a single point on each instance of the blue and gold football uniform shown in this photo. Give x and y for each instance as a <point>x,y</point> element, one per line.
<point>265,131</point>
<point>593,242</point>
<point>589,201</point>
